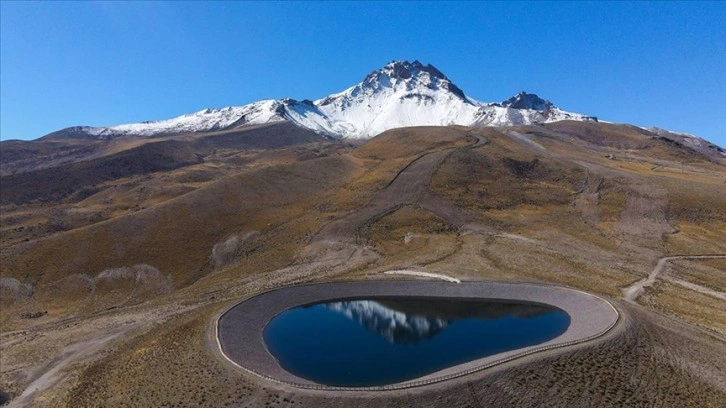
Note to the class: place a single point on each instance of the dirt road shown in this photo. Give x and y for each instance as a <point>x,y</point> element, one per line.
<point>633,291</point>
<point>409,187</point>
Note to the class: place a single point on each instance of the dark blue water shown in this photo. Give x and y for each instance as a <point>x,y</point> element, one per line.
<point>376,341</point>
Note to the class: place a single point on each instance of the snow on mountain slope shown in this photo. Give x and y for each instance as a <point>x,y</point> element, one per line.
<point>204,121</point>
<point>412,94</point>
<point>400,94</point>
<point>694,142</point>
<point>526,109</point>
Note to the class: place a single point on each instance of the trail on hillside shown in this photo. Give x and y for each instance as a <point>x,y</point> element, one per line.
<point>71,354</point>
<point>409,187</point>
<point>524,140</point>
<point>633,291</point>
<point>75,341</point>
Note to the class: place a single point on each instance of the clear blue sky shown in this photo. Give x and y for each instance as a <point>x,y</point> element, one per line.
<point>107,63</point>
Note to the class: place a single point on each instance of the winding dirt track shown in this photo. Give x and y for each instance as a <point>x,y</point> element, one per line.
<point>74,353</point>
<point>239,330</point>
<point>409,187</point>
<point>633,291</point>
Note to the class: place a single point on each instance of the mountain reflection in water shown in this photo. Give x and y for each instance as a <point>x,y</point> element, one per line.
<point>384,340</point>
<point>409,321</point>
<point>393,325</point>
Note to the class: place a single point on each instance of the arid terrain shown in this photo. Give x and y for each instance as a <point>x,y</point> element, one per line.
<point>118,256</point>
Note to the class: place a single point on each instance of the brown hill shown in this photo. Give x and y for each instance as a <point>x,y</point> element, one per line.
<point>174,229</point>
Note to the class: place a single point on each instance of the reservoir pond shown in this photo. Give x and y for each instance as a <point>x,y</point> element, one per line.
<point>378,341</point>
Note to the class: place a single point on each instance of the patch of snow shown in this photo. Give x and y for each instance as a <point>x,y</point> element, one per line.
<point>424,275</point>
<point>688,140</point>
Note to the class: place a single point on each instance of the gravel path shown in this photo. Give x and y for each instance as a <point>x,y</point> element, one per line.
<point>633,291</point>
<point>240,340</point>
<point>72,354</point>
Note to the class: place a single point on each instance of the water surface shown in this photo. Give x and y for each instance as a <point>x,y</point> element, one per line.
<point>377,341</point>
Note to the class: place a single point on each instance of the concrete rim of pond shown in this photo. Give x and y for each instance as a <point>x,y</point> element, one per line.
<point>243,345</point>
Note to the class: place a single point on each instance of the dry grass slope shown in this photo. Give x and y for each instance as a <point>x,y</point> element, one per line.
<point>585,205</point>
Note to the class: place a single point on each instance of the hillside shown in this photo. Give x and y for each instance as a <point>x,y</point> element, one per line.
<point>135,246</point>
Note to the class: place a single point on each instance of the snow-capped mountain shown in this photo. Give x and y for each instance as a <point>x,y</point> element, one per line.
<point>400,94</point>
<point>527,109</point>
<point>203,121</point>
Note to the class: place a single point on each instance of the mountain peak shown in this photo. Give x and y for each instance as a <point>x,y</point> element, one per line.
<point>411,75</point>
<point>523,100</point>
<point>399,94</point>
<point>403,69</point>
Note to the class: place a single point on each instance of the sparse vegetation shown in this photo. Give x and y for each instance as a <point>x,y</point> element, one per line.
<point>226,251</point>
<point>434,199</point>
